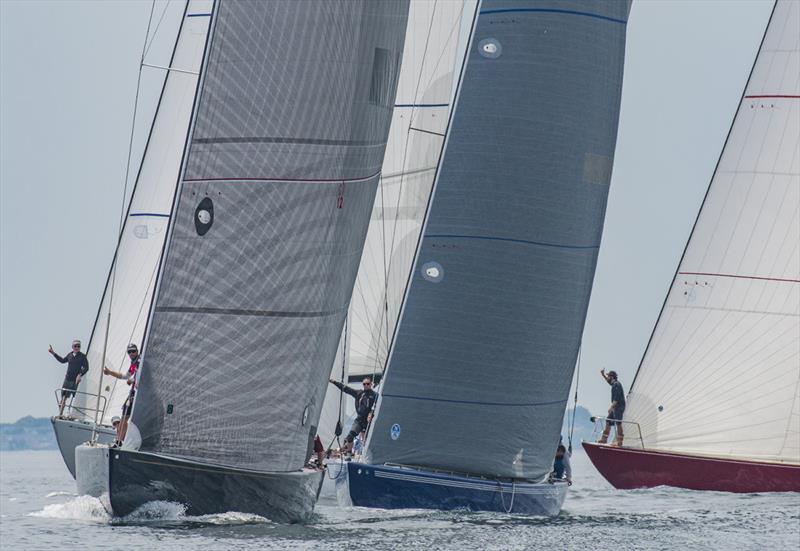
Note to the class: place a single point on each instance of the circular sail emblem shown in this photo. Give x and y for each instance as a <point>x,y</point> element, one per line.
<point>204,216</point>
<point>432,271</point>
<point>395,431</point>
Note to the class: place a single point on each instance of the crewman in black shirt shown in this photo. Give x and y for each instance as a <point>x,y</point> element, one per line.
<point>77,366</point>
<point>615,410</point>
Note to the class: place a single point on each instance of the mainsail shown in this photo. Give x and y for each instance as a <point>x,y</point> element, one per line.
<point>484,351</point>
<point>721,374</point>
<point>144,229</point>
<point>268,226</point>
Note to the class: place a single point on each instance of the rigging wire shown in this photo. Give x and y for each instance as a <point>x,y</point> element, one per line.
<point>575,402</point>
<point>122,217</point>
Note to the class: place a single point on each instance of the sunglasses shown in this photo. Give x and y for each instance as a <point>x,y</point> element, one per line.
<point>367,384</point>
<point>132,352</point>
<point>76,346</point>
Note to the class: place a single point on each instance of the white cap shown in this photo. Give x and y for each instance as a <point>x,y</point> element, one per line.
<point>115,419</point>
<point>76,341</point>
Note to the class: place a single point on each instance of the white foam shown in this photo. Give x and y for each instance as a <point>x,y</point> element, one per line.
<point>230,518</point>
<point>58,494</point>
<point>81,508</point>
<point>158,510</point>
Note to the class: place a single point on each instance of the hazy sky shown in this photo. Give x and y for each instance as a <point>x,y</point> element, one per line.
<point>67,81</point>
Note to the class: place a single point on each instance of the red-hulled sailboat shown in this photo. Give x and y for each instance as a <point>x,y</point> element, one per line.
<point>715,404</point>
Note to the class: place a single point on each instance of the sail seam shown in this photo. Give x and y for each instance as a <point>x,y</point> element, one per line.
<point>473,402</point>
<point>736,276</point>
<point>282,140</point>
<point>243,312</point>
<point>278,179</point>
<point>511,240</point>
<point>553,10</point>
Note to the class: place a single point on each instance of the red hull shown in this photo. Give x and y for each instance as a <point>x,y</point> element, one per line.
<point>628,468</point>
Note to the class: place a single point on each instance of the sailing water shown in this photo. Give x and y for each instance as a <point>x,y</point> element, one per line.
<point>39,510</point>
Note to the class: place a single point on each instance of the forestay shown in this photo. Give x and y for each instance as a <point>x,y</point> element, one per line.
<point>283,163</point>
<point>484,352</point>
<point>721,374</point>
<point>144,229</point>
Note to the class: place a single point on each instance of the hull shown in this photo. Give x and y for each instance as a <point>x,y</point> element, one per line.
<point>131,479</point>
<point>627,468</point>
<point>136,478</point>
<point>383,487</point>
<point>71,433</point>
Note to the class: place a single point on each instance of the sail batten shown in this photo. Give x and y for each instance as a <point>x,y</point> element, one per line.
<point>730,324</point>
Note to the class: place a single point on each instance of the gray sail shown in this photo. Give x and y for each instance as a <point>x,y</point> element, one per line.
<point>280,175</point>
<point>482,360</point>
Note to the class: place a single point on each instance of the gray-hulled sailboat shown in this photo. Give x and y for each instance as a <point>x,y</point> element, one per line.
<point>275,191</point>
<point>479,371</point>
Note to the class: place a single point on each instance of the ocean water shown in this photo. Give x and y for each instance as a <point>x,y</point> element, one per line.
<point>39,510</point>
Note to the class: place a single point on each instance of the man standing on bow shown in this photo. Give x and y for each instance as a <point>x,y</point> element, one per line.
<point>615,410</point>
<point>365,401</point>
<point>77,366</point>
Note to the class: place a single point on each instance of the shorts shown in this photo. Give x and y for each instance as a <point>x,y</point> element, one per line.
<point>128,405</point>
<point>615,417</point>
<point>359,425</point>
<point>68,389</point>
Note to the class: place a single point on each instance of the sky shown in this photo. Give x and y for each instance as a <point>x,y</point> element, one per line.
<point>68,75</point>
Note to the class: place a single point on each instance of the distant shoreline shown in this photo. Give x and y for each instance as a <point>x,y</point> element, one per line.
<point>29,433</point>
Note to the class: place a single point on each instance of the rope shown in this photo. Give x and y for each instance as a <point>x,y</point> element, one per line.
<point>513,493</point>
<point>575,403</point>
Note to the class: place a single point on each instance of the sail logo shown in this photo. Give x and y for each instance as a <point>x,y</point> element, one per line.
<point>433,272</point>
<point>394,432</point>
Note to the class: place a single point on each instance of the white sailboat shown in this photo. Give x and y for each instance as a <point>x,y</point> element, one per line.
<point>715,404</point>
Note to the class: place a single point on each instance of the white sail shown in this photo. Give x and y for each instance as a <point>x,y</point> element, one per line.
<point>144,230</point>
<point>427,80</point>
<point>721,374</point>
<point>434,35</point>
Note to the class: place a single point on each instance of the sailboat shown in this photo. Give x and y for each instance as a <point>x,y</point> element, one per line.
<point>128,293</point>
<point>481,360</point>
<point>275,189</point>
<point>715,403</point>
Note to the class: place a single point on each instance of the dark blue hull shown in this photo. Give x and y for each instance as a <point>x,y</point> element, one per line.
<point>383,487</point>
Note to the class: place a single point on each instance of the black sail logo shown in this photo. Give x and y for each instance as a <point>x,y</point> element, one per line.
<point>204,216</point>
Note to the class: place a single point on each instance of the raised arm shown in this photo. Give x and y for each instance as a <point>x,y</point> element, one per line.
<point>344,388</point>
<point>56,356</point>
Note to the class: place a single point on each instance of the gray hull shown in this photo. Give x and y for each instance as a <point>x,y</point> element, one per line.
<point>71,433</point>
<point>132,478</point>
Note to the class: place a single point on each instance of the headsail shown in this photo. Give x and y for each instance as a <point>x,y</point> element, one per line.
<point>144,230</point>
<point>427,82</point>
<point>280,176</point>
<point>489,332</point>
<point>721,374</point>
